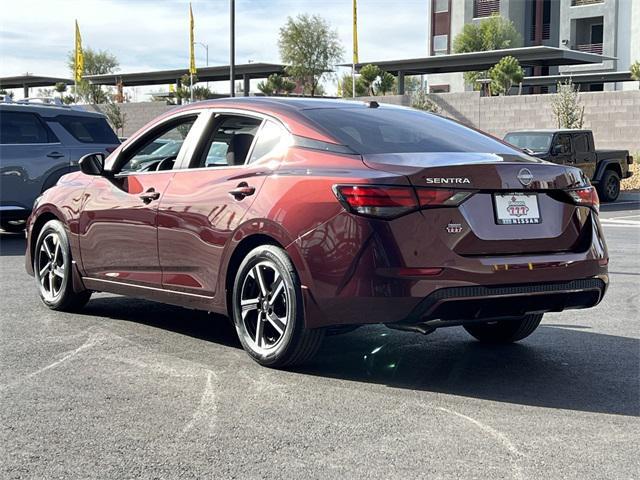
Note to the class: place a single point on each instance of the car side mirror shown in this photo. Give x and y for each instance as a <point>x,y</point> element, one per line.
<point>92,164</point>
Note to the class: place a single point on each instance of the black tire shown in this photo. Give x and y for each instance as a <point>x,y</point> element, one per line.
<point>55,284</point>
<point>11,227</point>
<point>505,331</point>
<point>265,299</point>
<point>609,186</point>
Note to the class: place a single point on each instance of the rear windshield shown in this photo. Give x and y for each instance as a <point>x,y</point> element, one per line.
<point>390,130</point>
<point>88,129</point>
<point>534,141</point>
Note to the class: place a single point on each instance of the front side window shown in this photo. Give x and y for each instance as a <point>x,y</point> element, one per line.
<point>88,129</point>
<point>229,143</point>
<point>168,141</point>
<point>565,143</point>
<point>24,128</point>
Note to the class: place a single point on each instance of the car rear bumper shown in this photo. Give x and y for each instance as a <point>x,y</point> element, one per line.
<point>499,301</point>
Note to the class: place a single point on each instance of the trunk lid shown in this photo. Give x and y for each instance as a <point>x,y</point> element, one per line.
<point>473,228</point>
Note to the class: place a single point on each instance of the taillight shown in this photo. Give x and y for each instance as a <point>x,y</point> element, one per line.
<point>393,201</point>
<point>586,197</point>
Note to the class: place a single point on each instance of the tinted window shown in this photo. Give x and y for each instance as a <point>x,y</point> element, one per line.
<point>88,129</point>
<point>272,141</point>
<point>21,127</point>
<point>581,143</point>
<point>391,130</point>
<point>565,143</point>
<point>534,141</point>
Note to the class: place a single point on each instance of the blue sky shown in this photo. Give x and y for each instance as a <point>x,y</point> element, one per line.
<point>36,35</point>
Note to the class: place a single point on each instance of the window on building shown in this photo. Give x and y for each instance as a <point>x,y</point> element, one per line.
<point>440,44</point>
<point>485,8</point>
<point>439,88</point>
<point>440,6</point>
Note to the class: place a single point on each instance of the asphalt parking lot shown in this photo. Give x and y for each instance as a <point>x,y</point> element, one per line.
<point>135,389</point>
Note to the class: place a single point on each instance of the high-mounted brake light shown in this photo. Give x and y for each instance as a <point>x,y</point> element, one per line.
<point>392,201</point>
<point>586,197</point>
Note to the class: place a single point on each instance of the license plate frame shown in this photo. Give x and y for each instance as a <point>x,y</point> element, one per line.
<point>516,208</point>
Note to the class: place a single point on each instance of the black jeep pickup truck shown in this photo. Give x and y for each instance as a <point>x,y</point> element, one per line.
<point>605,168</point>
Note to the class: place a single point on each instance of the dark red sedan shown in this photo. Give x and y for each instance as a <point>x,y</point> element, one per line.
<point>298,217</point>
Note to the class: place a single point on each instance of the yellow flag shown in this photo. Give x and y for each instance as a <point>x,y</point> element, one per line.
<point>355,32</point>
<point>79,57</point>
<point>192,57</point>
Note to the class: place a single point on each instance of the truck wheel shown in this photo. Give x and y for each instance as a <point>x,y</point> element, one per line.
<point>505,331</point>
<point>609,187</point>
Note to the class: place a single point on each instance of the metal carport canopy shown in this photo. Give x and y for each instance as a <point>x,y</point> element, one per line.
<point>204,74</point>
<point>540,56</point>
<point>27,81</point>
<point>579,78</point>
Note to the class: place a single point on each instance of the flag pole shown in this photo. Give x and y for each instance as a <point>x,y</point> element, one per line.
<point>355,49</point>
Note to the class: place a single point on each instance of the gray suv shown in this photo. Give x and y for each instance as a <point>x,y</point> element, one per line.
<point>39,143</point>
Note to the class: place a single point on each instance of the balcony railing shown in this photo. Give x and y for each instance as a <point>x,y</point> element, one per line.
<point>580,3</point>
<point>590,48</point>
<point>485,8</point>
<point>546,32</point>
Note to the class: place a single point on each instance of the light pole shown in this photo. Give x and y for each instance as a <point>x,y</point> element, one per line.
<point>206,49</point>
<point>232,45</point>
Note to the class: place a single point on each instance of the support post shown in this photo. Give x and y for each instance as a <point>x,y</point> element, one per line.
<point>246,80</point>
<point>25,90</point>
<point>178,85</point>
<point>400,83</point>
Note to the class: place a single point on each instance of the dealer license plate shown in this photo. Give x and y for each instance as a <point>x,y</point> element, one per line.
<point>516,209</point>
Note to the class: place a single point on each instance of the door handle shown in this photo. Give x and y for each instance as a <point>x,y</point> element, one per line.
<point>241,191</point>
<point>150,195</point>
<point>55,155</point>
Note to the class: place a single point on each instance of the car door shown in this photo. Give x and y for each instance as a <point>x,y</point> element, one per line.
<point>585,157</point>
<point>562,152</point>
<point>208,199</point>
<point>29,153</point>
<point>118,222</point>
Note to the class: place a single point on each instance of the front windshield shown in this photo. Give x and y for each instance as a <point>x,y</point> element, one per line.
<point>536,142</point>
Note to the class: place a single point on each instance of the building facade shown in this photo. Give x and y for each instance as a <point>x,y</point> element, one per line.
<point>597,26</point>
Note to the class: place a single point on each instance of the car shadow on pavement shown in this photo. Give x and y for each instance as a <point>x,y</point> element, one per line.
<point>193,323</point>
<point>12,244</point>
<point>559,366</point>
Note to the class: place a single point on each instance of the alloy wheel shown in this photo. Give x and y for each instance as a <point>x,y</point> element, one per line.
<point>265,306</point>
<point>50,266</point>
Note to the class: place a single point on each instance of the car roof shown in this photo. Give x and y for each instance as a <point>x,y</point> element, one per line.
<point>291,103</point>
<point>48,110</point>
<point>550,130</point>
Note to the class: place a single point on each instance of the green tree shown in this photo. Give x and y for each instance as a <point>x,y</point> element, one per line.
<point>310,48</point>
<point>96,62</point>
<point>117,118</point>
<point>60,87</point>
<point>420,100</point>
<point>504,74</point>
<point>566,106</point>
<point>276,85</point>
<point>635,70</point>
<point>369,75</point>
<point>493,33</point>
<point>346,86</point>
<point>386,83</point>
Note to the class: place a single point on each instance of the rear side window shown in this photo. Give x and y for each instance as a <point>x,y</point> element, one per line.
<point>581,143</point>
<point>391,130</point>
<point>24,128</point>
<point>88,129</point>
<point>272,141</point>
